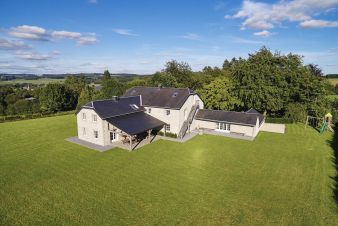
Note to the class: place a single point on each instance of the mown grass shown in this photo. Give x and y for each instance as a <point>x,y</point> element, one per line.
<point>209,180</point>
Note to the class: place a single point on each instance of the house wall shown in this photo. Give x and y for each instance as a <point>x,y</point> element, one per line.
<point>246,130</point>
<point>90,126</point>
<point>176,117</point>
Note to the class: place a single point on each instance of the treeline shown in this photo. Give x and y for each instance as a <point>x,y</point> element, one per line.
<point>276,84</point>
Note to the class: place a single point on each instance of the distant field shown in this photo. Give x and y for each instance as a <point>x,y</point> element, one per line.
<point>37,81</point>
<point>210,180</point>
<point>333,81</point>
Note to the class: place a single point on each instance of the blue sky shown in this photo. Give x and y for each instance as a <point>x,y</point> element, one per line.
<point>140,36</point>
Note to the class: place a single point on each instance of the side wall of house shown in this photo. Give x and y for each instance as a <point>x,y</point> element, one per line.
<point>172,119</point>
<point>246,130</point>
<point>176,117</point>
<point>89,125</point>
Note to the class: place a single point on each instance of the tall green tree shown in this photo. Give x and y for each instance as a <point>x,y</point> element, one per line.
<point>220,95</point>
<point>56,97</point>
<point>86,96</point>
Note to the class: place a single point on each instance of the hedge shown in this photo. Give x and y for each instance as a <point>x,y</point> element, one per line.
<point>9,118</point>
<point>167,134</point>
<point>278,120</point>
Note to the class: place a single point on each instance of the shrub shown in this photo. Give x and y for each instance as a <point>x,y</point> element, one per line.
<point>296,112</point>
<point>167,134</point>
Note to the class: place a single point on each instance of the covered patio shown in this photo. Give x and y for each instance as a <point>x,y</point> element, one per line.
<point>135,130</point>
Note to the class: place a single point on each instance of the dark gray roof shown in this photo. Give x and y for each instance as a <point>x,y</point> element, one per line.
<point>173,98</point>
<point>243,118</point>
<point>135,123</point>
<point>115,107</point>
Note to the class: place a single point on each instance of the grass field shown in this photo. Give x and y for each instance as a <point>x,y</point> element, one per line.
<point>209,180</point>
<point>333,81</point>
<point>31,81</point>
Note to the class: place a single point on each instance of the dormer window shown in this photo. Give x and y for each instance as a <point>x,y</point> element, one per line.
<point>134,106</point>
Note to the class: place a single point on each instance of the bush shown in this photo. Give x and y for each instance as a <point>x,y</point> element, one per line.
<point>167,134</point>
<point>9,118</point>
<point>278,120</point>
<point>296,112</point>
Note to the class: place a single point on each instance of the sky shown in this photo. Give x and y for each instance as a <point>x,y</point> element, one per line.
<point>45,36</point>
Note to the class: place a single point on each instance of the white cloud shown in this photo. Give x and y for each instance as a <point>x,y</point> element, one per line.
<point>263,33</point>
<point>259,15</point>
<point>12,45</point>
<point>35,56</point>
<point>126,32</point>
<point>66,34</point>
<point>29,32</point>
<point>318,24</point>
<point>41,34</point>
<point>93,1</point>
<point>86,40</point>
<point>191,36</point>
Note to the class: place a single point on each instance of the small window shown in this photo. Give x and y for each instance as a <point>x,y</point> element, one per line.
<point>84,131</point>
<point>167,112</point>
<point>167,127</point>
<point>134,106</point>
<point>175,94</point>
<point>96,134</point>
<point>94,118</point>
<point>149,110</point>
<point>84,116</point>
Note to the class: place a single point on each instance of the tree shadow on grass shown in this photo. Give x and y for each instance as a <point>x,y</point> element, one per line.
<point>334,145</point>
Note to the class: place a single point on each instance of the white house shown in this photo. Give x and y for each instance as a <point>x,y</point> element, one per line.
<point>144,110</point>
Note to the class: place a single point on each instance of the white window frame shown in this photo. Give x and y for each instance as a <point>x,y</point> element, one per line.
<point>84,133</point>
<point>167,127</point>
<point>149,110</point>
<point>223,127</point>
<point>94,118</point>
<point>84,116</point>
<point>167,112</point>
<point>96,134</point>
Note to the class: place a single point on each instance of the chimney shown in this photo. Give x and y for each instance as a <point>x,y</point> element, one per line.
<point>115,98</point>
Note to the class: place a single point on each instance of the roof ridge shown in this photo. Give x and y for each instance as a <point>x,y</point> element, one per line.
<point>155,87</point>
<point>112,99</point>
<point>242,112</point>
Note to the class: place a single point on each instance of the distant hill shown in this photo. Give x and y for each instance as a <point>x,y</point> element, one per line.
<point>7,77</point>
<point>332,75</point>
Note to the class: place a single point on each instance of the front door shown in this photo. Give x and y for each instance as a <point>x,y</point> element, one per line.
<point>113,136</point>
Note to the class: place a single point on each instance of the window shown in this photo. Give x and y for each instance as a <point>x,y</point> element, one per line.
<point>84,131</point>
<point>222,126</point>
<point>167,127</point>
<point>167,112</point>
<point>149,110</point>
<point>94,118</point>
<point>96,134</point>
<point>84,116</point>
<point>134,106</point>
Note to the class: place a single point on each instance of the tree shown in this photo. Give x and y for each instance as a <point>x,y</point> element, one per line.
<point>181,71</point>
<point>163,79</point>
<point>56,97</point>
<point>75,84</point>
<point>106,76</point>
<point>219,94</point>
<point>315,70</point>
<point>85,96</point>
<point>111,87</point>
<point>296,112</point>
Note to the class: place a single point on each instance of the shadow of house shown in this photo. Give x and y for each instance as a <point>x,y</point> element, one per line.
<point>334,145</point>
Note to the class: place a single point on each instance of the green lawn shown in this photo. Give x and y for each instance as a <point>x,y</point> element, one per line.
<point>210,180</point>
<point>32,81</point>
